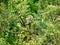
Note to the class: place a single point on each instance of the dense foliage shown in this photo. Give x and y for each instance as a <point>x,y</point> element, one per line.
<point>29,22</point>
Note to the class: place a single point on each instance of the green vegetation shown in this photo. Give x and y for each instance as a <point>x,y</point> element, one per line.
<point>29,22</point>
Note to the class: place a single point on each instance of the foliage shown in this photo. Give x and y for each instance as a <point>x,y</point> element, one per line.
<point>29,22</point>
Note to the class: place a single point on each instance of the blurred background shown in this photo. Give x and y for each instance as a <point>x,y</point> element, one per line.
<point>29,22</point>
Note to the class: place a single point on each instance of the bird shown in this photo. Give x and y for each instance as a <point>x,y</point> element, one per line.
<point>29,19</point>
